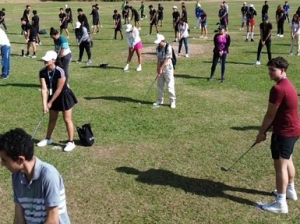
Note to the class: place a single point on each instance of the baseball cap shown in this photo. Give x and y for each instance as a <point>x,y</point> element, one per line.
<point>66,6</point>
<point>221,27</point>
<point>128,28</point>
<point>77,25</point>
<point>266,17</point>
<point>198,5</point>
<point>251,5</point>
<point>245,3</point>
<point>174,7</point>
<point>50,55</point>
<point>159,38</point>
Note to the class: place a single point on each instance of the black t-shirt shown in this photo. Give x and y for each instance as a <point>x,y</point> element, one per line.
<point>69,13</point>
<point>95,14</point>
<point>184,15</point>
<point>63,17</point>
<point>175,15</point>
<point>280,13</point>
<point>29,27</point>
<point>135,13</point>
<point>35,21</point>
<point>265,9</point>
<point>117,19</point>
<point>244,10</point>
<point>26,13</point>
<point>153,14</point>
<point>251,13</point>
<point>2,14</point>
<point>160,10</point>
<point>53,77</point>
<point>222,12</point>
<point>265,29</point>
<point>83,19</point>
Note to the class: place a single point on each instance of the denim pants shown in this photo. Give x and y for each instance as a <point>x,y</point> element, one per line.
<point>185,41</point>
<point>5,53</point>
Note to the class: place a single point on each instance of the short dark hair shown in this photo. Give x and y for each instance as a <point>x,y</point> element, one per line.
<point>115,11</point>
<point>34,12</point>
<point>24,19</point>
<point>150,6</point>
<point>79,10</point>
<point>61,8</point>
<point>278,62</point>
<point>17,143</point>
<point>53,31</point>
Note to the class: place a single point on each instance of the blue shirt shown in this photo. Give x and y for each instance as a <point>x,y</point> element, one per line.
<point>286,8</point>
<point>45,189</point>
<point>62,43</point>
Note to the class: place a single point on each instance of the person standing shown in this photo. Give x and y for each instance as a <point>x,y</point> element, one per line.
<point>83,41</point>
<point>220,51</point>
<point>95,19</point>
<point>63,51</point>
<point>30,36</point>
<point>265,39</point>
<point>153,19</point>
<point>282,115</point>
<point>68,12</point>
<point>160,12</point>
<point>165,71</point>
<point>223,16</point>
<point>184,15</point>
<point>5,54</point>
<point>2,18</point>
<point>183,28</point>
<point>63,22</point>
<point>136,16</point>
<point>280,17</point>
<point>56,97</point>
<point>36,25</point>
<point>295,34</point>
<point>244,10</point>
<point>117,24</point>
<point>83,20</point>
<point>176,18</point>
<point>286,8</point>
<point>142,9</point>
<point>264,10</point>
<point>198,11</point>
<point>38,188</point>
<point>134,45</point>
<point>26,13</point>
<point>203,22</point>
<point>250,22</point>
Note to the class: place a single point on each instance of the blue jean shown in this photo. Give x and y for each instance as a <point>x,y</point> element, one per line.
<point>216,58</point>
<point>5,53</point>
<point>185,41</point>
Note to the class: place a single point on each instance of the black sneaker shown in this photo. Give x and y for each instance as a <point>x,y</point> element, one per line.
<point>246,40</point>
<point>252,40</point>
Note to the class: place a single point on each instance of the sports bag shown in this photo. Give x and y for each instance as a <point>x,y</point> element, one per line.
<point>86,135</point>
<point>174,59</point>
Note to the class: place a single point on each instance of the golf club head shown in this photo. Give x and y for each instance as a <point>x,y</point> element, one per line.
<point>223,168</point>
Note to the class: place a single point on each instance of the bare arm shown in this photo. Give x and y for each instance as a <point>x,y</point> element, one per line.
<point>44,94</point>
<point>19,214</point>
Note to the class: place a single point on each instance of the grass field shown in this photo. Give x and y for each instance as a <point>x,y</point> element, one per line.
<point>154,165</point>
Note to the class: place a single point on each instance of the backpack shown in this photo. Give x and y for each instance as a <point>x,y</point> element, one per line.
<point>42,31</point>
<point>86,135</point>
<point>174,59</point>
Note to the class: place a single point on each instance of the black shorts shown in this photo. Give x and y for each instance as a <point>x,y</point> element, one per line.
<point>153,23</point>
<point>282,146</point>
<point>160,17</point>
<point>118,28</point>
<point>95,21</point>
<point>176,27</point>
<point>136,18</point>
<point>37,29</point>
<point>64,26</point>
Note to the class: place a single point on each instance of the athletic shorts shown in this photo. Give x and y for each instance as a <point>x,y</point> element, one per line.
<point>176,27</point>
<point>136,18</point>
<point>64,26</point>
<point>251,22</point>
<point>244,19</point>
<point>32,38</point>
<point>139,45</point>
<point>282,146</point>
<point>95,21</point>
<point>153,23</point>
<point>204,23</point>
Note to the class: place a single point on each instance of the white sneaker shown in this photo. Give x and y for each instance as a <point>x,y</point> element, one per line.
<point>158,102</point>
<point>126,67</point>
<point>44,142</point>
<point>289,194</point>
<point>139,28</point>
<point>278,35</point>
<point>173,105</point>
<point>89,62</point>
<point>178,55</point>
<point>69,147</point>
<point>186,55</point>
<point>257,63</point>
<point>139,68</point>
<point>33,56</point>
<point>276,207</point>
<point>291,53</point>
<point>281,35</point>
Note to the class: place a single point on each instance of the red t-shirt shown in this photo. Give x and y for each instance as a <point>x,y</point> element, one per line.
<point>286,122</point>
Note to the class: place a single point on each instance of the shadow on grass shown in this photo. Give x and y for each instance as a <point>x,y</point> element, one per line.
<point>203,187</point>
<point>249,127</point>
<point>98,66</point>
<point>121,99</point>
<point>30,85</point>
<point>233,62</point>
<point>189,76</point>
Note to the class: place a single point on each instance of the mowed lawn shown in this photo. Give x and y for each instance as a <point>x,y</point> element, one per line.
<point>154,165</point>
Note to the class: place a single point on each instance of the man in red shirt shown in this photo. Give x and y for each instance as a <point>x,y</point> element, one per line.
<point>282,114</point>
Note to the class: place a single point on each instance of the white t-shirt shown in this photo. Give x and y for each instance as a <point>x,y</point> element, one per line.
<point>3,39</point>
<point>295,27</point>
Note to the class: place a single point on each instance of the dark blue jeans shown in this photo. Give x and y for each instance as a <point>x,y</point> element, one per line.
<point>216,57</point>
<point>185,41</point>
<point>5,53</point>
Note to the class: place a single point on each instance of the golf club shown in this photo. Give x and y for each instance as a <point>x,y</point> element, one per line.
<point>37,126</point>
<point>149,89</point>
<point>223,168</point>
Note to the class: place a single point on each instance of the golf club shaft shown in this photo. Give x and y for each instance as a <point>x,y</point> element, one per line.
<point>242,156</point>
<point>150,87</point>
<point>37,126</point>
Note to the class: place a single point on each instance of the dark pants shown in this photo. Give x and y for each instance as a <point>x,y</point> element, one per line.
<point>84,45</point>
<point>3,23</point>
<point>185,41</point>
<point>216,57</point>
<point>282,146</point>
<point>260,46</point>
<point>64,63</point>
<point>280,26</point>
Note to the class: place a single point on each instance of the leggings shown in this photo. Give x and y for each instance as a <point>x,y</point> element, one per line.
<point>216,57</point>
<point>87,46</point>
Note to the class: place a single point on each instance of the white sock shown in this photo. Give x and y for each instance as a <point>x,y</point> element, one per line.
<point>281,198</point>
<point>252,34</point>
<point>247,35</point>
<point>291,187</point>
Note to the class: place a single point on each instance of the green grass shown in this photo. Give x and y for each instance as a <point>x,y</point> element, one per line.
<point>154,165</point>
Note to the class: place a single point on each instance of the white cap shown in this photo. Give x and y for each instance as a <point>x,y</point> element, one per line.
<point>77,25</point>
<point>199,5</point>
<point>66,6</point>
<point>128,28</point>
<point>159,38</point>
<point>174,7</point>
<point>251,5</point>
<point>50,55</point>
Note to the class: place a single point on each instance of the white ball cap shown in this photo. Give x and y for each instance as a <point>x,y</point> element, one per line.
<point>77,25</point>
<point>50,55</point>
<point>128,28</point>
<point>159,38</point>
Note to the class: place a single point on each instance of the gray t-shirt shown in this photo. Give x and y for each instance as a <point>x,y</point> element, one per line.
<point>45,189</point>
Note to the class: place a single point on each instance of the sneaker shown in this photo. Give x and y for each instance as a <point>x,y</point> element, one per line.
<point>205,37</point>
<point>69,147</point>
<point>201,36</point>
<point>178,55</point>
<point>89,62</point>
<point>40,43</point>
<point>44,142</point>
<point>139,68</point>
<point>126,67</point>
<point>33,56</point>
<point>173,105</point>
<point>139,28</point>
<point>291,53</point>
<point>158,102</point>
<point>26,55</point>
<point>246,40</point>
<point>252,40</point>
<point>3,77</point>
<point>174,41</point>
<point>78,61</point>
<point>257,63</point>
<point>281,35</point>
<point>275,207</point>
<point>292,195</point>
<point>186,55</point>
<point>209,79</point>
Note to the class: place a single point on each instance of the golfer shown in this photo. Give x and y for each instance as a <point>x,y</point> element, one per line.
<point>165,71</point>
<point>84,42</point>
<point>5,54</point>
<point>282,115</point>
<point>222,43</point>
<point>134,45</point>
<point>183,30</point>
<point>56,96</point>
<point>38,188</point>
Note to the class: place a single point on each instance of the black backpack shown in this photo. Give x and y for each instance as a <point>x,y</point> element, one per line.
<point>174,59</point>
<point>86,135</point>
